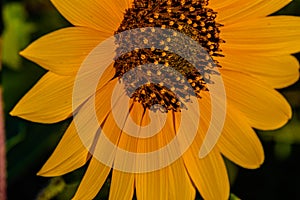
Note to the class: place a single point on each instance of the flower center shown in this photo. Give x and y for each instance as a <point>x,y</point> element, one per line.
<point>192,18</point>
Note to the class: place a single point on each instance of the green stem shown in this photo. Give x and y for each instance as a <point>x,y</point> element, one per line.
<point>2,153</point>
<point>2,132</point>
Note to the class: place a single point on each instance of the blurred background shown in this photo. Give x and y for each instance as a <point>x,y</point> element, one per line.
<point>28,145</point>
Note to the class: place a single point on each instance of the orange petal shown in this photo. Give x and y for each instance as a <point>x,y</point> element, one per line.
<point>278,72</point>
<point>49,101</point>
<point>264,107</point>
<point>269,36</point>
<point>69,155</point>
<point>152,185</point>
<point>63,51</point>
<point>92,181</point>
<point>208,174</point>
<point>233,11</point>
<point>239,142</point>
<point>122,185</point>
<point>179,183</point>
<point>171,182</point>
<point>103,15</point>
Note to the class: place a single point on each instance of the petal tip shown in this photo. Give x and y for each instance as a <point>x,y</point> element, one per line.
<point>23,53</point>
<point>43,172</point>
<point>40,173</point>
<point>18,112</point>
<point>259,161</point>
<point>15,111</point>
<point>12,113</point>
<point>49,172</point>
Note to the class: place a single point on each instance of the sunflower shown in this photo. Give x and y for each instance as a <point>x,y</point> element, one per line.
<point>250,50</point>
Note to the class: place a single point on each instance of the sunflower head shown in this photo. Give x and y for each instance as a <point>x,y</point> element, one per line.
<point>160,91</point>
<point>191,18</point>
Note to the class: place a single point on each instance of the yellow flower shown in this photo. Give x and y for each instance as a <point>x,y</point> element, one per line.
<point>252,49</point>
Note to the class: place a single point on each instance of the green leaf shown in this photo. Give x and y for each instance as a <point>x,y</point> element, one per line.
<point>234,197</point>
<point>15,140</point>
<point>16,33</point>
<point>289,134</point>
<point>56,186</point>
<point>284,138</point>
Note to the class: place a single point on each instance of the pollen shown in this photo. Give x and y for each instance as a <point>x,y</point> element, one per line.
<point>192,18</point>
<point>145,41</point>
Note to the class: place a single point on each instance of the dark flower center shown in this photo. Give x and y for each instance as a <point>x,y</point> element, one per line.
<point>192,18</point>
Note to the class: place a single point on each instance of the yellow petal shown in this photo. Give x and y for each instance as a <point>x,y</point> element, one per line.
<point>139,115</point>
<point>264,107</point>
<point>92,181</point>
<point>124,160</point>
<point>107,142</point>
<point>270,36</point>
<point>216,4</point>
<point>103,15</point>
<point>103,100</point>
<point>239,142</point>
<point>152,185</point>
<point>234,11</point>
<point>69,155</point>
<point>63,51</point>
<point>122,185</point>
<point>88,84</point>
<point>208,174</point>
<point>278,72</point>
<point>49,101</point>
<point>91,115</point>
<point>179,183</point>
<point>171,182</point>
<point>160,139</point>
<point>111,131</point>
<point>110,136</point>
